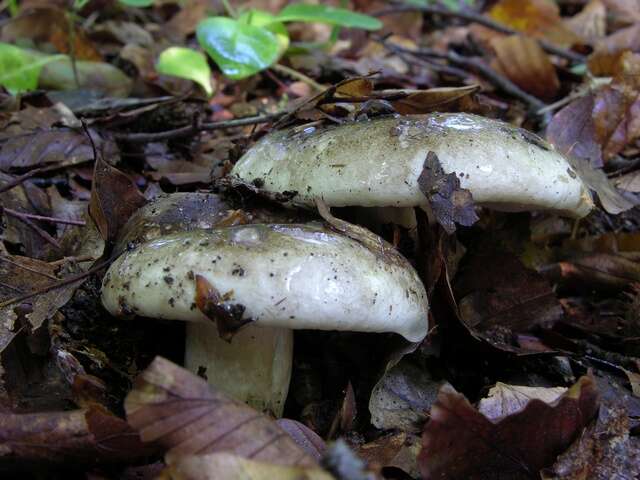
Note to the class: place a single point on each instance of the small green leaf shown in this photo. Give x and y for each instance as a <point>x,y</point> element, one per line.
<point>303,12</point>
<point>186,63</point>
<point>260,18</point>
<point>137,3</point>
<point>20,68</point>
<point>240,50</point>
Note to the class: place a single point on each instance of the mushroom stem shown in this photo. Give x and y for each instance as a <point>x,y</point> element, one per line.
<point>255,367</point>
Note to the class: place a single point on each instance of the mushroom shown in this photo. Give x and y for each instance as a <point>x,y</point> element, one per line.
<point>279,277</point>
<point>377,163</point>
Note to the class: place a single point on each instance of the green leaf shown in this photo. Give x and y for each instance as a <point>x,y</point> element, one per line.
<point>186,63</point>
<point>260,18</point>
<point>240,50</point>
<point>302,12</point>
<point>20,68</point>
<point>137,3</point>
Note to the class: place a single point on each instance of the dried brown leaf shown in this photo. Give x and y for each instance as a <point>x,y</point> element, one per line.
<point>114,198</point>
<point>306,438</point>
<point>222,465</point>
<point>461,443</point>
<point>523,60</point>
<point>591,23</point>
<point>85,437</point>
<point>398,450</point>
<point>499,299</point>
<point>179,411</point>
<point>433,99</point>
<point>606,56</point>
<point>450,203</point>
<point>539,18</point>
<point>504,399</point>
<point>605,451</point>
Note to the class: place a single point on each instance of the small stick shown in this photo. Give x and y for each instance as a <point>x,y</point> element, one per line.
<point>192,129</point>
<point>473,17</point>
<point>44,235</point>
<point>500,81</point>
<point>15,213</point>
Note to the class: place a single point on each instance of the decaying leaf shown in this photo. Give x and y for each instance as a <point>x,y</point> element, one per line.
<point>402,397</point>
<point>81,437</point>
<point>605,451</point>
<point>504,399</point>
<point>398,450</point>
<point>214,466</point>
<point>459,442</point>
<point>499,299</point>
<point>114,197</point>
<point>525,62</point>
<point>450,203</point>
<point>177,410</point>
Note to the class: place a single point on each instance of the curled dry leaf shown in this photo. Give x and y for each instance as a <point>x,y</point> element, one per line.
<point>605,451</point>
<point>500,299</point>
<point>604,60</point>
<point>594,272</point>
<point>524,61</point>
<point>538,18</point>
<point>114,198</point>
<point>82,437</point>
<point>398,450</point>
<point>450,203</point>
<point>174,408</point>
<point>573,132</point>
<point>504,399</point>
<point>214,466</point>
<point>459,442</point>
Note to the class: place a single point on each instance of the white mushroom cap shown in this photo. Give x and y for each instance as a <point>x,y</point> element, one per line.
<point>291,276</point>
<point>377,163</point>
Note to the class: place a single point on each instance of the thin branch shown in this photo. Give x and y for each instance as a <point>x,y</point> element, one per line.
<point>29,269</point>
<point>195,128</point>
<point>296,75</point>
<point>18,180</point>
<point>33,226</point>
<point>17,214</point>
<point>477,66</point>
<point>62,283</point>
<point>473,17</point>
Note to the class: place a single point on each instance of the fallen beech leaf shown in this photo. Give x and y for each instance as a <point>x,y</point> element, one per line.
<point>572,132</point>
<point>431,100</point>
<point>590,23</point>
<point>616,110</point>
<point>114,197</point>
<point>215,466</point>
<point>604,451</point>
<point>402,397</point>
<point>524,61</point>
<point>461,443</point>
<point>594,272</point>
<point>539,18</point>
<point>603,61</point>
<point>499,299</point>
<point>354,87</point>
<point>504,399</point>
<point>398,450</point>
<point>84,437</point>
<point>174,408</point>
<point>49,25</point>
<point>306,438</point>
<point>41,147</point>
<point>450,203</point>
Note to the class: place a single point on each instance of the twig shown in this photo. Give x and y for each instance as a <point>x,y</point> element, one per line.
<point>15,213</point>
<point>476,65</point>
<point>44,235</point>
<point>296,75</point>
<point>29,269</point>
<point>18,180</point>
<point>473,17</point>
<point>192,129</point>
<point>62,283</point>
